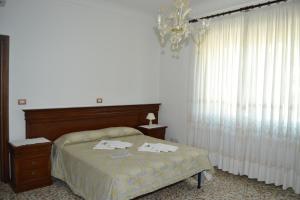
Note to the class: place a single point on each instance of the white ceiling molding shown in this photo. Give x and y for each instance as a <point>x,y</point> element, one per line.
<point>199,7</point>
<point>151,7</point>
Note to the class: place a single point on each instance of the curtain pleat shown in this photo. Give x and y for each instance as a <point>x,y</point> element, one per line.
<point>245,108</point>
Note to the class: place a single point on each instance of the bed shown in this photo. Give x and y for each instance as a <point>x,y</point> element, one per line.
<point>104,174</point>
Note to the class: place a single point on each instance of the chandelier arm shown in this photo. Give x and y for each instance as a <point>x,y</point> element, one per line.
<point>175,27</point>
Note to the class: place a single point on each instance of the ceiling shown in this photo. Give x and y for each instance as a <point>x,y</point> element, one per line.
<point>199,7</point>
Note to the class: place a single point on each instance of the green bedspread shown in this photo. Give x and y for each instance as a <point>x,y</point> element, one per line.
<point>101,175</point>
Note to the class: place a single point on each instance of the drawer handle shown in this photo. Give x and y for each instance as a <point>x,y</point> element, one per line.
<point>33,173</point>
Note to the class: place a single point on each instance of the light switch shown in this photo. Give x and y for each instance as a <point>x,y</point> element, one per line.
<point>22,102</point>
<point>99,100</point>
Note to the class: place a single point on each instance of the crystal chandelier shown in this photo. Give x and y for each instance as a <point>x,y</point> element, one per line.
<point>176,28</point>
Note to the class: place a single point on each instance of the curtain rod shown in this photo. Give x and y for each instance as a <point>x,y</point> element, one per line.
<point>247,8</point>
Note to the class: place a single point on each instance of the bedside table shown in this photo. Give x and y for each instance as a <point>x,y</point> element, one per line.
<point>154,130</point>
<point>30,164</point>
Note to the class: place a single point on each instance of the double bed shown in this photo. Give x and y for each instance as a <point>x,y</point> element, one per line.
<point>118,174</point>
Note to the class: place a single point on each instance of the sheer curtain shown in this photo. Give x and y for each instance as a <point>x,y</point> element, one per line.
<point>245,108</point>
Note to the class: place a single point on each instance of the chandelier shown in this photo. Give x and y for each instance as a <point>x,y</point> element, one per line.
<point>175,27</point>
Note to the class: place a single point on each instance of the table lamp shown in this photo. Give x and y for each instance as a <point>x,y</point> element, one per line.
<point>150,117</point>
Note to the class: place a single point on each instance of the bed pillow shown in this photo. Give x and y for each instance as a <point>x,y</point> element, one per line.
<point>87,136</point>
<point>120,132</point>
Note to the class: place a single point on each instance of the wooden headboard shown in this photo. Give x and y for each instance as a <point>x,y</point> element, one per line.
<point>55,122</point>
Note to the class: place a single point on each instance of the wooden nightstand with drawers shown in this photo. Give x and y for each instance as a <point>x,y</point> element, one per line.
<point>154,130</point>
<point>30,164</point>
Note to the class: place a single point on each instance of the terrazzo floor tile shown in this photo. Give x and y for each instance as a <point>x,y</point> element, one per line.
<point>223,186</point>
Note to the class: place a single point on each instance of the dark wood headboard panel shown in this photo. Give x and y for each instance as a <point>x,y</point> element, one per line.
<point>52,123</point>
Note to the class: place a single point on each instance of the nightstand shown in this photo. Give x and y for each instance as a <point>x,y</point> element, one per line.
<point>30,164</point>
<point>154,130</point>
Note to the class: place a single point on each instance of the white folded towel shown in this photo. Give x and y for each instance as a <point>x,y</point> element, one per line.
<point>148,147</point>
<point>157,147</point>
<point>110,144</point>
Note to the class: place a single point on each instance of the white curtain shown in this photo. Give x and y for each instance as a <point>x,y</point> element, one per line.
<point>245,108</point>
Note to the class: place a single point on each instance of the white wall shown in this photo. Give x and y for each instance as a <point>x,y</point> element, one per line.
<point>65,53</point>
<point>174,92</point>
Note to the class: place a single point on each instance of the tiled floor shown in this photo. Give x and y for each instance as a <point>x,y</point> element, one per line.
<point>224,186</point>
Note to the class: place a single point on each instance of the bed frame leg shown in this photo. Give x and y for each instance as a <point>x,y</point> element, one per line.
<point>199,180</point>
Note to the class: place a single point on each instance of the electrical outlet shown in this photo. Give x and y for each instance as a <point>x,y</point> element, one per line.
<point>22,101</point>
<point>99,100</point>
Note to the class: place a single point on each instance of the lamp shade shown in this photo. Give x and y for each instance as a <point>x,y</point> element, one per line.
<point>150,116</point>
